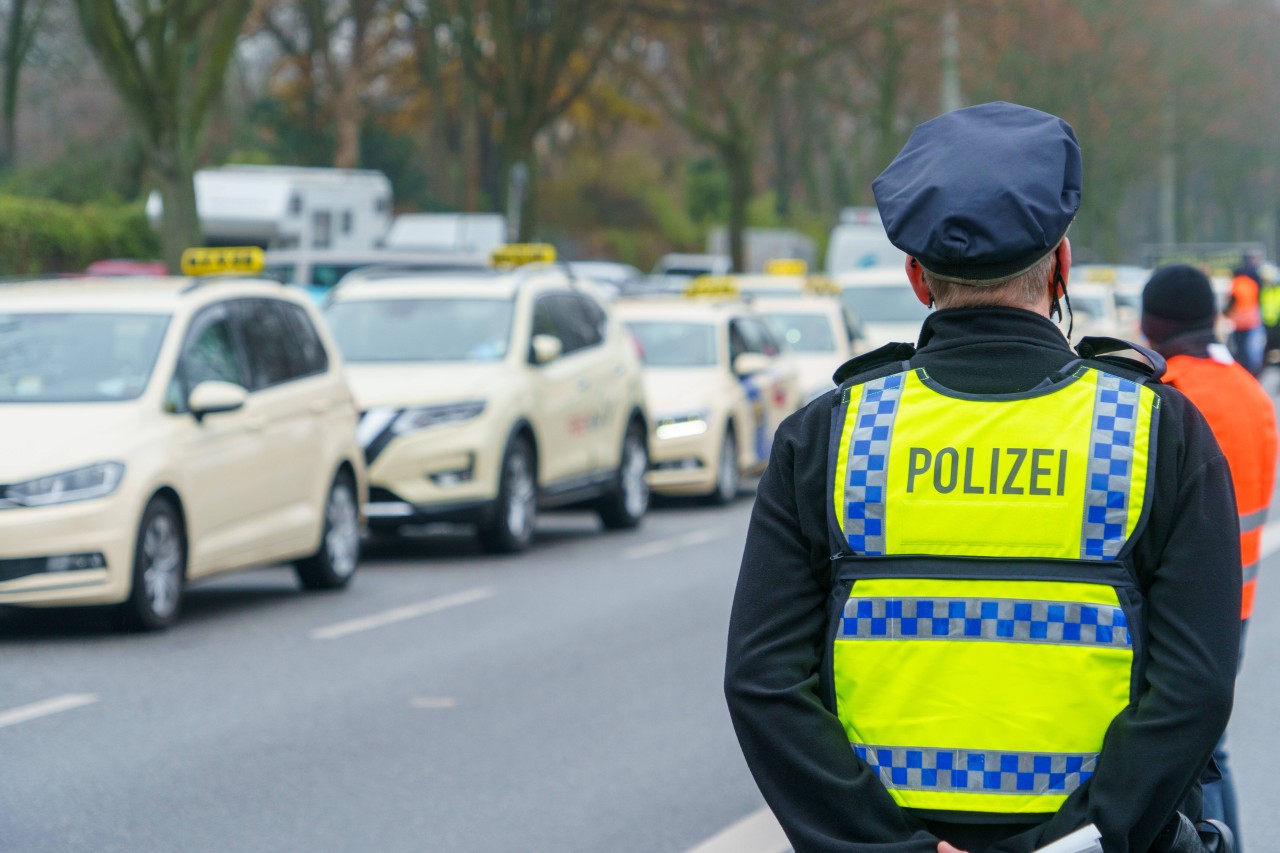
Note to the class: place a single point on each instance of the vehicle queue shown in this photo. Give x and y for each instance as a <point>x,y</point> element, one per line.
<point>179,427</point>
<point>175,428</point>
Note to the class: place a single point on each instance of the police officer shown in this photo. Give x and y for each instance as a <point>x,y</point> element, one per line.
<point>991,587</point>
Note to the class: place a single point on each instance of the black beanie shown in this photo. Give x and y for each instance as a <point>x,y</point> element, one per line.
<point>1178,301</point>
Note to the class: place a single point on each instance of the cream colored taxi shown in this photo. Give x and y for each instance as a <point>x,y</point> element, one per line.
<point>161,430</point>
<point>489,395</point>
<point>717,383</point>
<point>817,333</point>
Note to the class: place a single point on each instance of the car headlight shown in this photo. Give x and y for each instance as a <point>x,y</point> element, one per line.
<point>682,426</point>
<point>82,484</point>
<point>425,417</point>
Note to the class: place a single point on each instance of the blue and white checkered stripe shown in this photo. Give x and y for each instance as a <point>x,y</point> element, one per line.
<point>1001,620</point>
<point>868,465</point>
<point>978,771</point>
<point>1106,504</point>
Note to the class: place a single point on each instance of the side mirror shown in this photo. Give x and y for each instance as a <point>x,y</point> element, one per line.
<point>751,363</point>
<point>546,348</point>
<point>213,397</point>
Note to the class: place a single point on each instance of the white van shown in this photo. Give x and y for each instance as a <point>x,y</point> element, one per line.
<point>858,242</point>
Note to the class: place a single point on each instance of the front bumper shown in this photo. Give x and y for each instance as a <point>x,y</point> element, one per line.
<point>684,466</point>
<point>439,468</point>
<point>388,511</point>
<point>29,535</point>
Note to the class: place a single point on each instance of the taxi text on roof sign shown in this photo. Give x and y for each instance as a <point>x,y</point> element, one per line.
<point>713,285</point>
<point>235,259</point>
<point>514,255</point>
<point>786,266</point>
<point>821,285</point>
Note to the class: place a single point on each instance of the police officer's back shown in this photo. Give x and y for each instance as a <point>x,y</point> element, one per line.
<point>987,595</point>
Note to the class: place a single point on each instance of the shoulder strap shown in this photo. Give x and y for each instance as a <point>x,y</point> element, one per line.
<point>887,360</point>
<point>1148,366</point>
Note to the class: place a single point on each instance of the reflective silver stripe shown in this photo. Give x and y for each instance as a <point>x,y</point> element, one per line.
<point>1251,521</point>
<point>868,465</point>
<point>1106,503</point>
<point>970,771</point>
<point>1250,572</point>
<point>975,619</point>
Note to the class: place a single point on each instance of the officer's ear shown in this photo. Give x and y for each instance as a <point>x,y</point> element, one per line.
<point>1062,264</point>
<point>915,275</point>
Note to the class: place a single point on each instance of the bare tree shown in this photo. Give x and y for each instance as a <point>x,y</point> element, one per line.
<point>528,61</point>
<point>167,60</point>
<point>21,23</point>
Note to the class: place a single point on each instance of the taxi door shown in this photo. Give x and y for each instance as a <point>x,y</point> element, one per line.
<point>220,457</point>
<point>771,394</point>
<point>291,402</point>
<point>562,399</point>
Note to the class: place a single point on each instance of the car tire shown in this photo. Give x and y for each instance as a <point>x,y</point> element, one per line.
<point>509,528</point>
<point>335,561</point>
<point>728,478</point>
<point>159,570</point>
<point>628,499</point>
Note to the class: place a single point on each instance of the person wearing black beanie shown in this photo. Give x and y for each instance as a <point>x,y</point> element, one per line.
<point>1178,315</point>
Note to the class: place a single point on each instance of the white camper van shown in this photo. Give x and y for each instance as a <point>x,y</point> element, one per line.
<point>289,207</point>
<point>858,242</point>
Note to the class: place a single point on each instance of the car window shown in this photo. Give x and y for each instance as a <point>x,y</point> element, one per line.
<point>752,336</point>
<point>208,355</point>
<point>567,317</point>
<point>268,342</point>
<point>308,348</point>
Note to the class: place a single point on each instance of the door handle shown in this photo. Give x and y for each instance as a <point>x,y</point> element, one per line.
<point>319,407</point>
<point>584,384</point>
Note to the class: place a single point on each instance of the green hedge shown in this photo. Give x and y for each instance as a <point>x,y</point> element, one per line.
<point>39,236</point>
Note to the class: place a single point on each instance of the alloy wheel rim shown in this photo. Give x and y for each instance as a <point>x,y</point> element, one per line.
<point>635,489</point>
<point>342,542</point>
<point>520,496</point>
<point>162,574</point>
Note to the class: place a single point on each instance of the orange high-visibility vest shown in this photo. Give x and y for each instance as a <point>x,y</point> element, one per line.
<point>1245,311</point>
<point>1242,419</point>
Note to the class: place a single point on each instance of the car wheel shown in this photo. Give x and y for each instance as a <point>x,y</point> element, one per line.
<point>510,526</point>
<point>335,561</point>
<point>628,501</point>
<point>727,477</point>
<point>159,570</point>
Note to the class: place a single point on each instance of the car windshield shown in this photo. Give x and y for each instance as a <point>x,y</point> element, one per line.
<point>890,303</point>
<point>804,332</point>
<point>1094,306</point>
<point>77,358</point>
<point>391,330</point>
<point>666,344</point>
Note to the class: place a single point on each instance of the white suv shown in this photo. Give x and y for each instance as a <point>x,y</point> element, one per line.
<point>165,429</point>
<point>488,395</point>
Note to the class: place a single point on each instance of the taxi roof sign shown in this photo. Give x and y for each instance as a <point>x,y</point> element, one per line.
<point>512,255</point>
<point>821,285</point>
<point>713,285</point>
<point>233,259</point>
<point>786,266</point>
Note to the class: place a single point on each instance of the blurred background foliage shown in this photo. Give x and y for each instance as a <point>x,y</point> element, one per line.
<point>644,122</point>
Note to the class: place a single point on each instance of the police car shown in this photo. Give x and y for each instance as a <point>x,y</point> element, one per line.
<point>717,381</point>
<point>165,430</point>
<point>487,395</point>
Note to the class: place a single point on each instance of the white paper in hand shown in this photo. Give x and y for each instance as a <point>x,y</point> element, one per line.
<point>1086,839</point>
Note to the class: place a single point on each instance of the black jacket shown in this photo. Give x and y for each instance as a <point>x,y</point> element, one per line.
<point>1188,561</point>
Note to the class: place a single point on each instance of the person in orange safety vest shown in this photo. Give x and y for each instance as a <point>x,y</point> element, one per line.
<point>1244,310</point>
<point>1178,319</point>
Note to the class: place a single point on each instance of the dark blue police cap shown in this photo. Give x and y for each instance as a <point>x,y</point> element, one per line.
<point>983,193</point>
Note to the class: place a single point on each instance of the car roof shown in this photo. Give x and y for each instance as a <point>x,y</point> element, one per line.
<point>132,294</point>
<point>873,277</point>
<point>445,284</point>
<point>680,308</point>
<point>799,304</point>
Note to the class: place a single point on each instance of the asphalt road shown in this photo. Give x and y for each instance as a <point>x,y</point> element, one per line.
<point>566,700</point>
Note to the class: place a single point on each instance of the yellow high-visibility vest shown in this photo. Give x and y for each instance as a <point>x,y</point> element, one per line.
<point>990,618</point>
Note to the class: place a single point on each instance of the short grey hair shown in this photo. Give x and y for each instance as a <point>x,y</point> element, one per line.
<point>1026,288</point>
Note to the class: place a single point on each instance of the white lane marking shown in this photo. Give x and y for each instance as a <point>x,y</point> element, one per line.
<point>1270,539</point>
<point>758,832</point>
<point>433,702</point>
<point>56,705</point>
<point>653,549</point>
<point>400,614</point>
